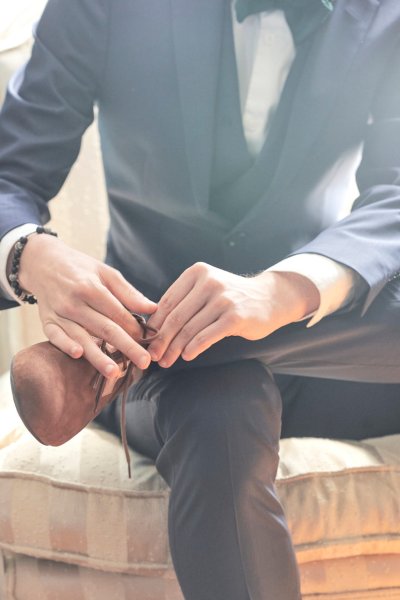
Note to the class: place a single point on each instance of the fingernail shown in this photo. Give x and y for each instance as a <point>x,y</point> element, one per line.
<point>110,370</point>
<point>153,355</point>
<point>143,362</point>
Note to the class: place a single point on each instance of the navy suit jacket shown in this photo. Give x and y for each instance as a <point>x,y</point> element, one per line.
<point>152,68</point>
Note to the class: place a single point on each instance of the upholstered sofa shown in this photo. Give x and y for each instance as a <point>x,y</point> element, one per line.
<point>74,527</point>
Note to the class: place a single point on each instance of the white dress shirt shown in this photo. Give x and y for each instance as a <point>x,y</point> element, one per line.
<point>265,52</point>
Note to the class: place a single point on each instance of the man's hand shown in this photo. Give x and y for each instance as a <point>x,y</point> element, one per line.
<point>79,297</point>
<point>206,304</point>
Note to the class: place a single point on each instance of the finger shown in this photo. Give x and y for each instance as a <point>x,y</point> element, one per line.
<point>62,341</point>
<point>105,365</point>
<point>104,328</point>
<point>205,339</point>
<point>180,316</point>
<point>106,304</point>
<point>126,293</point>
<point>172,298</point>
<point>98,297</point>
<point>193,327</point>
<point>77,337</point>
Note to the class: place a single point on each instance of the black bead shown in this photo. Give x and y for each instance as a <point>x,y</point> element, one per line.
<point>13,277</point>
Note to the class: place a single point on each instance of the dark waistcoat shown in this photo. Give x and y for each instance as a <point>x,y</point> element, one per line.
<point>239,180</point>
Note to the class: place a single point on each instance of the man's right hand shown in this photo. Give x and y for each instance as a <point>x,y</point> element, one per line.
<point>80,297</point>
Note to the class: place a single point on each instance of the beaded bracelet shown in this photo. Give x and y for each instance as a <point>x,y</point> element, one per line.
<point>16,260</point>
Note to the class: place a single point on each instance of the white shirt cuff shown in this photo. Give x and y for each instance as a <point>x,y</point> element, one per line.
<point>6,245</point>
<point>337,284</point>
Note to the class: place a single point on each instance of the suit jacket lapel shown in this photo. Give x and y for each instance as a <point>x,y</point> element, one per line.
<point>322,80</point>
<point>197,30</point>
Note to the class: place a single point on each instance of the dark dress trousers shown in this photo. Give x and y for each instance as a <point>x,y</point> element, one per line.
<point>183,188</point>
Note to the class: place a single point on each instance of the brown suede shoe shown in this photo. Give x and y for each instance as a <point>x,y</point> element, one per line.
<point>56,396</point>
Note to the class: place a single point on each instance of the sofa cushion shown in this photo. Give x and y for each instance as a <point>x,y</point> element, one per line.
<point>341,497</point>
<point>76,504</point>
<point>29,578</point>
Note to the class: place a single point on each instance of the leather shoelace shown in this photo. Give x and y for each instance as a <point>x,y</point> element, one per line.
<point>127,375</point>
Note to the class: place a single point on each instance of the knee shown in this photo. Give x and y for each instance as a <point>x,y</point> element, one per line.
<point>221,418</point>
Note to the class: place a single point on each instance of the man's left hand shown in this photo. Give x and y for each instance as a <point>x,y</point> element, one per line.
<point>206,304</point>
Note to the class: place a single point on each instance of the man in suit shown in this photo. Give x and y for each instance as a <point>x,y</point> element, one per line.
<point>230,133</point>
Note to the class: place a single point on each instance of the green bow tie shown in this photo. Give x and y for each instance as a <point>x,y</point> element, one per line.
<point>303,16</point>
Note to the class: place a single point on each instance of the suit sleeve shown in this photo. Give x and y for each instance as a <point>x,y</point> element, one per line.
<point>368,240</point>
<point>48,106</point>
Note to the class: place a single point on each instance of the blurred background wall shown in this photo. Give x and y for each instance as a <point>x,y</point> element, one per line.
<point>79,213</point>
